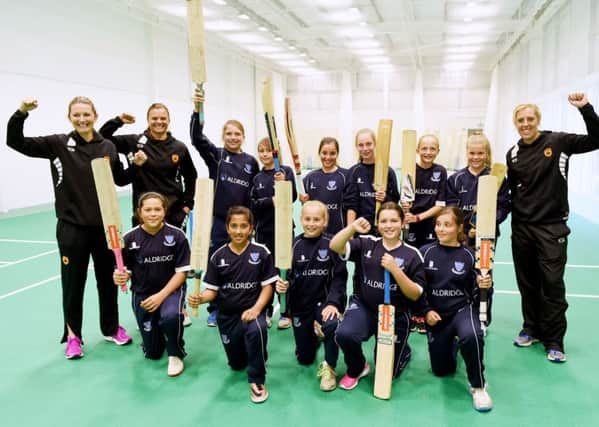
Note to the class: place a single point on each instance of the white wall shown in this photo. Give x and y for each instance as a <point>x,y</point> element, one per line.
<point>558,56</point>
<point>57,50</point>
<point>448,110</point>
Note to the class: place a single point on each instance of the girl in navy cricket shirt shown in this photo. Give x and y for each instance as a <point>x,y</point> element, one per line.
<point>240,278</point>
<point>232,171</point>
<point>360,197</point>
<point>462,187</point>
<point>316,290</point>
<point>431,185</point>
<point>327,184</point>
<point>157,254</point>
<point>451,305</point>
<point>369,254</point>
<point>263,208</point>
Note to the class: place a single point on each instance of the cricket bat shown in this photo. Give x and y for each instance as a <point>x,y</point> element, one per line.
<point>297,166</point>
<point>267,105</point>
<point>381,159</point>
<point>408,168</point>
<point>498,170</point>
<point>486,212</point>
<point>283,232</point>
<point>385,344</point>
<point>200,237</point>
<point>109,209</point>
<point>195,50</point>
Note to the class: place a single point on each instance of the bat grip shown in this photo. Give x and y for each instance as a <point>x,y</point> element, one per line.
<point>482,316</point>
<point>283,297</point>
<point>387,289</point>
<point>200,105</point>
<point>120,265</point>
<point>196,291</point>
<point>299,183</point>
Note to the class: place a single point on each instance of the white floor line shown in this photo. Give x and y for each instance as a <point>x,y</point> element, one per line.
<point>585,296</point>
<point>33,285</point>
<point>41,242</point>
<point>29,258</point>
<point>591,267</point>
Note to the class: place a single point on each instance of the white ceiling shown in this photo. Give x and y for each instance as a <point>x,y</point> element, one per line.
<point>302,36</point>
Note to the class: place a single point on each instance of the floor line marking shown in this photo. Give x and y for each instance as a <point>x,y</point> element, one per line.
<point>29,258</point>
<point>33,285</point>
<point>585,296</point>
<point>43,242</point>
<point>592,267</point>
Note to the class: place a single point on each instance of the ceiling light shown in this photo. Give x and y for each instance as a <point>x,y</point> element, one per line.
<point>375,60</point>
<point>220,2</point>
<point>262,28</point>
<point>281,55</point>
<point>363,24</point>
<point>279,38</point>
<point>303,54</point>
<point>291,47</point>
<point>369,51</point>
<point>359,44</point>
<point>263,49</point>
<point>468,19</point>
<point>223,25</point>
<point>243,16</point>
<point>247,38</point>
<point>457,66</point>
<point>471,4</point>
<point>312,61</point>
<point>452,57</point>
<point>346,16</point>
<point>354,33</point>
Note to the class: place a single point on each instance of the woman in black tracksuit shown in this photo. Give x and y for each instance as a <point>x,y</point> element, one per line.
<point>160,162</point>
<point>79,230</point>
<point>537,176</point>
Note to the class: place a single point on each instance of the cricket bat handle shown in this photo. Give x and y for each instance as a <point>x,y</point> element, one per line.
<point>196,291</point>
<point>120,265</point>
<point>283,297</point>
<point>200,105</point>
<point>299,183</point>
<point>482,316</point>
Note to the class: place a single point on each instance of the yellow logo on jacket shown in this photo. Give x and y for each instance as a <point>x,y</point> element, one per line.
<point>175,158</point>
<point>548,152</point>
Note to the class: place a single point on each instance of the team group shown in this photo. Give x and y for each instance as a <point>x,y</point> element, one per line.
<point>433,279</point>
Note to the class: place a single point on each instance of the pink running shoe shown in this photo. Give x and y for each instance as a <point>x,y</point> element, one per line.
<point>349,383</point>
<point>73,350</point>
<point>120,338</point>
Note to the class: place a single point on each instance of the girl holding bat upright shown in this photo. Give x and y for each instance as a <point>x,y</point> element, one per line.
<point>157,253</point>
<point>538,171</point>
<point>462,188</point>
<point>450,305</point>
<point>316,293</point>
<point>79,230</point>
<point>160,162</point>
<point>263,207</point>
<point>372,255</point>
<point>431,183</point>
<point>359,196</point>
<point>232,171</point>
<point>240,277</point>
<point>327,184</point>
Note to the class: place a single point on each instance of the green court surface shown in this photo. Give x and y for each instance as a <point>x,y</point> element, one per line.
<point>116,386</point>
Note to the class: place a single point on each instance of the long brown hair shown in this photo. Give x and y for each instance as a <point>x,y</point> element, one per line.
<point>458,217</point>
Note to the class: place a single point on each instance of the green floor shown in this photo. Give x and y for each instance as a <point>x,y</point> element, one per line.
<point>117,386</point>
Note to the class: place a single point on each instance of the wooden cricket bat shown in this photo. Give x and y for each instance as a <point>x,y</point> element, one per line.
<point>486,212</point>
<point>381,159</point>
<point>385,344</point>
<point>283,232</point>
<point>297,166</point>
<point>109,208</point>
<point>408,168</point>
<point>195,51</point>
<point>269,117</point>
<point>498,170</point>
<point>200,238</point>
